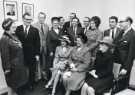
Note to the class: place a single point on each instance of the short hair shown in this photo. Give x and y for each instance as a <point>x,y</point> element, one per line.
<point>114,17</point>
<point>7,24</point>
<point>76,18</point>
<point>54,19</point>
<point>42,13</point>
<point>87,18</point>
<point>25,14</point>
<point>83,38</point>
<point>73,14</point>
<point>97,20</point>
<point>129,19</point>
<point>60,17</point>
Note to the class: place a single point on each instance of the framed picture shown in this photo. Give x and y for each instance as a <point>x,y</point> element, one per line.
<point>28,8</point>
<point>10,9</point>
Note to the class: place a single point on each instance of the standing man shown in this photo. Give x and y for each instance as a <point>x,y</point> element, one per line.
<point>68,24</point>
<point>113,31</point>
<point>29,37</point>
<point>86,23</point>
<point>126,48</point>
<point>74,31</point>
<point>43,30</point>
<point>52,42</point>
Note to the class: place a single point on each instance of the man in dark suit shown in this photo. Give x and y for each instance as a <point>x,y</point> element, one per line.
<point>29,37</point>
<point>52,42</point>
<point>74,31</point>
<point>113,31</point>
<point>68,24</point>
<point>126,47</point>
<point>86,23</point>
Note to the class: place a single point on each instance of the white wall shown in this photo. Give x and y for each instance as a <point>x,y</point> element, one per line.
<point>50,7</point>
<point>102,8</point>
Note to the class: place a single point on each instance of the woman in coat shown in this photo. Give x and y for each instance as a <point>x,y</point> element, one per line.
<point>12,56</point>
<point>80,58</point>
<point>100,78</point>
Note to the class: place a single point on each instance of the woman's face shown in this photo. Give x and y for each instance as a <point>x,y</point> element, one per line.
<point>13,28</point>
<point>79,42</point>
<point>103,48</point>
<point>63,43</point>
<point>93,25</point>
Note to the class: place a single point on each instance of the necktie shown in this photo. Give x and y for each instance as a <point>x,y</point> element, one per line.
<point>26,32</point>
<point>85,30</point>
<point>42,29</point>
<point>112,33</point>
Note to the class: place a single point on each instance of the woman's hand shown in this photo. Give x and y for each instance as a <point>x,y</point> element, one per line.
<point>93,73</point>
<point>74,69</point>
<point>7,71</point>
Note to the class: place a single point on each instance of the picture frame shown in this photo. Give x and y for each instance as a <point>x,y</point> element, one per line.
<point>28,8</point>
<point>10,10</point>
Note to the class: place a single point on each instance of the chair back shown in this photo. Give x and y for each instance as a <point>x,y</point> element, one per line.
<point>116,69</point>
<point>132,76</point>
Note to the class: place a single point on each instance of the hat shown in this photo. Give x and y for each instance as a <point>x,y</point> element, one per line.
<point>65,38</point>
<point>107,40</point>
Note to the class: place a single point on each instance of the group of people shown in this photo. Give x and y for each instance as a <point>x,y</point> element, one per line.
<point>80,57</point>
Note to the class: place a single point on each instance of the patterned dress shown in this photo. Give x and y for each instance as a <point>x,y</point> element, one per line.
<point>62,56</point>
<point>81,59</point>
<point>93,37</point>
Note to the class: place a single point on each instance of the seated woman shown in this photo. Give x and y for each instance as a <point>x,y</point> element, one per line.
<point>101,76</point>
<point>62,55</point>
<point>80,57</point>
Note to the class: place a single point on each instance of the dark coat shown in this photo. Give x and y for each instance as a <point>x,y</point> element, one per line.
<point>103,66</point>
<point>13,60</point>
<point>117,35</point>
<point>67,25</point>
<point>72,35</point>
<point>31,42</point>
<point>52,42</point>
<point>126,50</point>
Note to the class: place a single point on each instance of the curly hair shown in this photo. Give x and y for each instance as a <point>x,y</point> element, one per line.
<point>97,20</point>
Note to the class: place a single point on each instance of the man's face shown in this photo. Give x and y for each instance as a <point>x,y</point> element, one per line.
<point>86,22</point>
<point>62,21</point>
<point>71,16</point>
<point>112,23</point>
<point>27,20</point>
<point>74,22</point>
<point>41,18</point>
<point>55,24</point>
<point>123,25</point>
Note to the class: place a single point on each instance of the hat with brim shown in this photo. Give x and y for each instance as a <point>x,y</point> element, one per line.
<point>65,38</point>
<point>108,41</point>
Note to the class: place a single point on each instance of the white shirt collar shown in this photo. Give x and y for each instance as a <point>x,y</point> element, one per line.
<point>24,26</point>
<point>56,30</point>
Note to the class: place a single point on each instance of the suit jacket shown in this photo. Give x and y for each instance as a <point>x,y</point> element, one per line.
<point>84,32</point>
<point>72,35</point>
<point>117,35</point>
<point>53,40</point>
<point>126,49</point>
<point>43,35</point>
<point>67,25</point>
<point>30,43</point>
